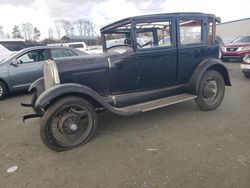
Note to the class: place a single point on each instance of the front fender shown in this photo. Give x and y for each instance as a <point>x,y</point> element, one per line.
<point>208,64</point>
<point>71,89</point>
<point>38,85</point>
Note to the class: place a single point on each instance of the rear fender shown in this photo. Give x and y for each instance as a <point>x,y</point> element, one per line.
<point>208,64</point>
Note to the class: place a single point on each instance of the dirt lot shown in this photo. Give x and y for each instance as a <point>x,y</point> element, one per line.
<point>191,148</point>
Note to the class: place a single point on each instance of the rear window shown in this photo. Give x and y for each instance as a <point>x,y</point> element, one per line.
<point>190,31</point>
<point>76,45</point>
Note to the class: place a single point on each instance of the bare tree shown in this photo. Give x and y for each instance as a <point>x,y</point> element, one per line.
<point>1,32</point>
<point>66,25</point>
<point>36,34</point>
<point>80,26</point>
<point>51,33</point>
<point>16,33</point>
<point>58,26</point>
<point>72,29</point>
<point>27,29</point>
<point>89,28</point>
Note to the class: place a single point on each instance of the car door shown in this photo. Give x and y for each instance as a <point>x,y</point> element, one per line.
<point>192,46</point>
<point>27,69</point>
<point>156,54</point>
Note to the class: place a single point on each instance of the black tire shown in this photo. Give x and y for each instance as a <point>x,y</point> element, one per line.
<point>247,75</point>
<point>46,131</point>
<point>211,91</point>
<point>3,90</point>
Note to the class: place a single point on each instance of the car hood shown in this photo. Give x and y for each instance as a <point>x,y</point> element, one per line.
<point>236,45</point>
<point>74,63</point>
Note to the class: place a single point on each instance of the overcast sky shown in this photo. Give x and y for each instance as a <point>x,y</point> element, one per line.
<point>42,13</point>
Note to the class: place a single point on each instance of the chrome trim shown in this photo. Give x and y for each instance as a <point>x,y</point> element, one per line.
<point>109,61</point>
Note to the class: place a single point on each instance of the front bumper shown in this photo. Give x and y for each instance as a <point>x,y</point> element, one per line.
<point>234,55</point>
<point>245,68</point>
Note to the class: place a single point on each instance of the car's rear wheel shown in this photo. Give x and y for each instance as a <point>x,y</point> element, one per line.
<point>68,123</point>
<point>211,91</point>
<point>3,90</point>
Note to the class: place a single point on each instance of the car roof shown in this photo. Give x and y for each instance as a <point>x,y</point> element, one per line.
<point>44,47</point>
<point>150,16</point>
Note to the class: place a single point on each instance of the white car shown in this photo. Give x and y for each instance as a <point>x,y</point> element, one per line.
<point>4,53</point>
<point>245,66</point>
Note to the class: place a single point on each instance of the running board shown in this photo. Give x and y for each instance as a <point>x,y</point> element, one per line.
<point>151,105</point>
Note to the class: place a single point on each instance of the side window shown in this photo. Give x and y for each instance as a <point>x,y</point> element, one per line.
<point>153,34</point>
<point>190,31</point>
<point>57,53</point>
<point>72,53</point>
<point>33,56</point>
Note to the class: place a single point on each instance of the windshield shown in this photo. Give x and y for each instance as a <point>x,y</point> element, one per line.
<point>118,36</point>
<point>242,40</point>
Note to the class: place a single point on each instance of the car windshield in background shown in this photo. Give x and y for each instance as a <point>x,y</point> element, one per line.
<point>242,40</point>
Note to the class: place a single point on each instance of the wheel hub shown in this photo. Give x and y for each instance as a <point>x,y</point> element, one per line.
<point>69,123</point>
<point>210,90</point>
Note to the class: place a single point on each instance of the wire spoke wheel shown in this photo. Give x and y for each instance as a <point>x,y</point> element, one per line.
<point>68,123</point>
<point>68,128</point>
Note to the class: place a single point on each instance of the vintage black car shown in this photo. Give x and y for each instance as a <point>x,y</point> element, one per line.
<point>148,62</point>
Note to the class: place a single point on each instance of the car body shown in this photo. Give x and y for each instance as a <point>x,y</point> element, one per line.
<point>237,49</point>
<point>245,66</point>
<point>19,70</point>
<point>178,61</point>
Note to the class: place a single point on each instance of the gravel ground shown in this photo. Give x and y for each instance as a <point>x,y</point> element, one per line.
<point>177,146</point>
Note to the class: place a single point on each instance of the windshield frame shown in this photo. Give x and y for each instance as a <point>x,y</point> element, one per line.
<point>116,29</point>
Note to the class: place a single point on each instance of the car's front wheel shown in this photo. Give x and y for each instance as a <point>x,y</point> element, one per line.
<point>68,123</point>
<point>211,91</point>
<point>3,90</point>
<point>247,75</point>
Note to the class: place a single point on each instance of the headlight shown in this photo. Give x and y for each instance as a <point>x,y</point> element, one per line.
<point>223,49</point>
<point>51,75</point>
<point>243,48</point>
<point>247,59</point>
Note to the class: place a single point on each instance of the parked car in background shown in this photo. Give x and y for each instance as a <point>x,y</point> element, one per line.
<point>237,49</point>
<point>77,45</point>
<point>19,70</point>
<point>13,44</point>
<point>245,66</point>
<point>177,62</point>
<point>94,50</point>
